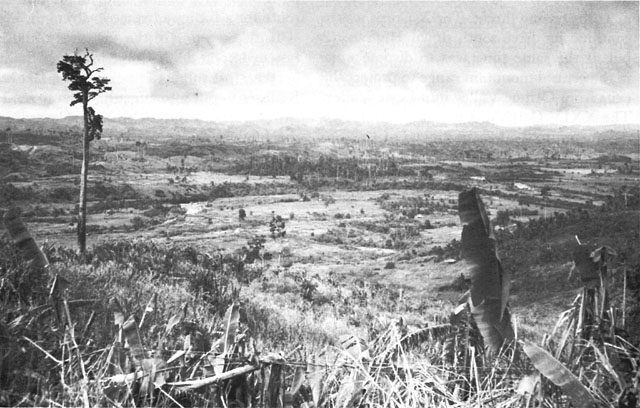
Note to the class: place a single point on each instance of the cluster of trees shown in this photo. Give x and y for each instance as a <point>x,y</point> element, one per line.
<point>545,227</point>
<point>277,227</point>
<point>503,217</point>
<point>412,206</point>
<point>299,168</point>
<point>623,198</point>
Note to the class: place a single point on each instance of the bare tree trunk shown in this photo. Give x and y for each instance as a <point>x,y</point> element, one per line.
<point>82,212</point>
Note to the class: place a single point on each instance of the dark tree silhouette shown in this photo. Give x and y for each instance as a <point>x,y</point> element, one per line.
<point>79,71</point>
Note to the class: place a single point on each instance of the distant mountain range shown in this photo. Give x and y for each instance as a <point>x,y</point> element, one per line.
<point>150,128</point>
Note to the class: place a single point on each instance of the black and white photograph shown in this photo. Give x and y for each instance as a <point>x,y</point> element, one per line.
<point>319,204</point>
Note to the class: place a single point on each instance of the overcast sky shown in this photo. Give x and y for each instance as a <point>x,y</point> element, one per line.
<point>511,63</point>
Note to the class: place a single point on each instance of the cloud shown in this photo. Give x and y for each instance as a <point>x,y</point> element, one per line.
<point>104,45</point>
<point>399,61</point>
<point>28,99</point>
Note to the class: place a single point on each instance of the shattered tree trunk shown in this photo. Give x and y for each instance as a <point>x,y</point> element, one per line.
<point>592,267</point>
<point>489,281</point>
<point>23,240</point>
<point>30,251</point>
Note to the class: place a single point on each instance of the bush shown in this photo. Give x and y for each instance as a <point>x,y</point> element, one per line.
<point>138,223</point>
<point>452,250</point>
<point>63,194</point>
<point>157,210</point>
<point>328,200</point>
<point>61,169</point>
<point>307,289</point>
<point>333,236</point>
<point>9,193</point>
<point>502,218</point>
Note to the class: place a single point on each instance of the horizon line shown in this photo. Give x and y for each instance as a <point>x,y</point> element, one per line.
<point>327,119</point>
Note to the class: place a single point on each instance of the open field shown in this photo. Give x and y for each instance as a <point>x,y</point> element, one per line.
<point>372,229</point>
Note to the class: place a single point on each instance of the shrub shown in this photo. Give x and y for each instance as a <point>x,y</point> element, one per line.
<point>63,194</point>
<point>502,218</point>
<point>138,223</point>
<point>307,289</point>
<point>61,169</point>
<point>452,250</point>
<point>158,210</point>
<point>328,200</point>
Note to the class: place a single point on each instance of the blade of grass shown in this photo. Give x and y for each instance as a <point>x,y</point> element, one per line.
<point>246,369</point>
<point>46,353</point>
<point>231,322</point>
<point>149,308</point>
<point>132,335</point>
<point>558,374</point>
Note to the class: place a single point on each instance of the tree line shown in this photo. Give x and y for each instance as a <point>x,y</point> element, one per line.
<point>298,168</point>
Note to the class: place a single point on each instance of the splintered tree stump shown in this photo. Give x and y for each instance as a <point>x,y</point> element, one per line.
<point>23,239</point>
<point>30,251</point>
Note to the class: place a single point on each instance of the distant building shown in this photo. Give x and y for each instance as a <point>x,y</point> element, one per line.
<point>521,186</point>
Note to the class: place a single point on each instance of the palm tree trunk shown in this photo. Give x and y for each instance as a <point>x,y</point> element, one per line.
<point>82,212</point>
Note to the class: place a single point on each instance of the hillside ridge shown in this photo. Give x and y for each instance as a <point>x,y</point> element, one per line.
<point>308,128</point>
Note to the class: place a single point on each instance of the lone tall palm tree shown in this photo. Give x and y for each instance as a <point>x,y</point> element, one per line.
<point>79,70</point>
